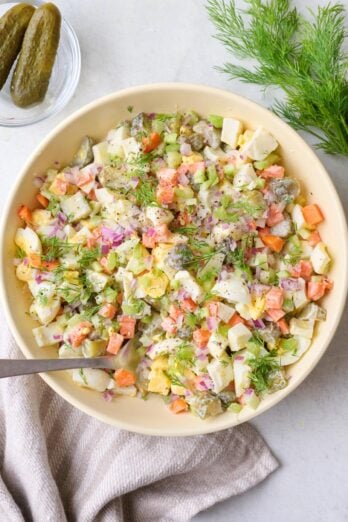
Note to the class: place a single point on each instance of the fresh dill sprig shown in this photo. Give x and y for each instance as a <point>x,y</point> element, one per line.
<point>189,230</point>
<point>88,255</point>
<point>262,369</point>
<point>305,58</point>
<point>55,247</point>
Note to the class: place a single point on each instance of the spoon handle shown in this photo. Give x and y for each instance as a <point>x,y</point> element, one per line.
<point>13,367</point>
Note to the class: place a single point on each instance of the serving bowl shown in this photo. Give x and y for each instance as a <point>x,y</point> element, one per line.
<point>151,416</point>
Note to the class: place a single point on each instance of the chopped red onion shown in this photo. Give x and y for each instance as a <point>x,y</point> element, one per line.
<point>58,337</point>
<point>183,180</point>
<point>258,323</point>
<point>62,218</point>
<point>108,395</point>
<point>249,391</point>
<point>212,323</point>
<point>290,284</point>
<point>134,182</point>
<point>185,149</point>
<point>25,261</point>
<point>105,249</point>
<point>38,181</point>
<point>259,289</point>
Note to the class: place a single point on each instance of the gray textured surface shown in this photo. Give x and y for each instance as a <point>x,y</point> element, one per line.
<point>132,42</point>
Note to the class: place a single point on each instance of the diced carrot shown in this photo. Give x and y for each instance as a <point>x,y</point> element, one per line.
<point>61,186</point>
<point>91,242</point>
<point>24,213</point>
<point>302,269</point>
<point>108,311</point>
<point>328,284</point>
<point>165,195</point>
<point>167,177</point>
<point>104,263</point>
<point>283,326</point>
<point>151,142</point>
<point>275,314</point>
<point>312,214</point>
<point>35,260</point>
<point>274,298</point>
<point>275,215</point>
<point>315,290</point>
<point>175,312</point>
<point>252,224</point>
<point>79,333</point>
<point>235,319</point>
<point>275,243</point>
<point>213,308</point>
<point>314,238</point>
<point>188,305</point>
<point>115,343</point>
<point>178,406</point>
<point>169,325</point>
<point>201,337</point>
<point>50,265</point>
<point>193,167</point>
<point>184,218</point>
<point>162,233</point>
<point>149,241</point>
<point>274,171</point>
<point>42,200</point>
<point>127,326</point>
<point>92,196</point>
<point>124,377</point>
<point>83,178</point>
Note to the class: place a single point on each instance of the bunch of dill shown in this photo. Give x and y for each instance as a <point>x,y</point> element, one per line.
<point>305,58</point>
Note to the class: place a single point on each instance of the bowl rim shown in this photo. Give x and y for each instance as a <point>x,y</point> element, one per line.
<point>118,95</point>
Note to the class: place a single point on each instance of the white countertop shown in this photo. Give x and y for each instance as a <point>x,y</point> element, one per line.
<point>133,42</point>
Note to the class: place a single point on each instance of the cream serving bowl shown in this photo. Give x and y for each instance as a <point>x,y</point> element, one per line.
<point>152,417</point>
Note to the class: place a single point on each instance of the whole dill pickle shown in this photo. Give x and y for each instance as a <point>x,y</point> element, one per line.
<point>36,59</point>
<point>13,25</point>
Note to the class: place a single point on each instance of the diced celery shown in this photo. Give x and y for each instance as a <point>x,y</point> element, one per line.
<point>170,137</point>
<point>112,260</point>
<point>289,345</point>
<point>223,329</point>
<point>216,120</point>
<point>229,170</point>
<point>173,159</point>
<point>213,178</point>
<point>304,233</point>
<point>93,348</point>
<point>260,183</point>
<point>110,295</point>
<point>270,160</point>
<point>253,347</point>
<point>96,266</point>
<point>225,200</point>
<point>182,194</point>
<point>288,305</point>
<point>199,176</point>
<point>172,147</point>
<point>158,126</point>
<point>235,407</point>
<point>283,274</point>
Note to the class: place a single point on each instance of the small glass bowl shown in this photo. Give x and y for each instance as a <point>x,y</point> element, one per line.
<point>63,82</point>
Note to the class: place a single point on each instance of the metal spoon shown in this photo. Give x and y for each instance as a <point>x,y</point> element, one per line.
<point>13,367</point>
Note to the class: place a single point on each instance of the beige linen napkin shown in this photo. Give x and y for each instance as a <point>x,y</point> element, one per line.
<point>59,464</point>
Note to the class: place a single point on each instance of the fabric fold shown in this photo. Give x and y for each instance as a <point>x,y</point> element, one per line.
<point>57,463</point>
